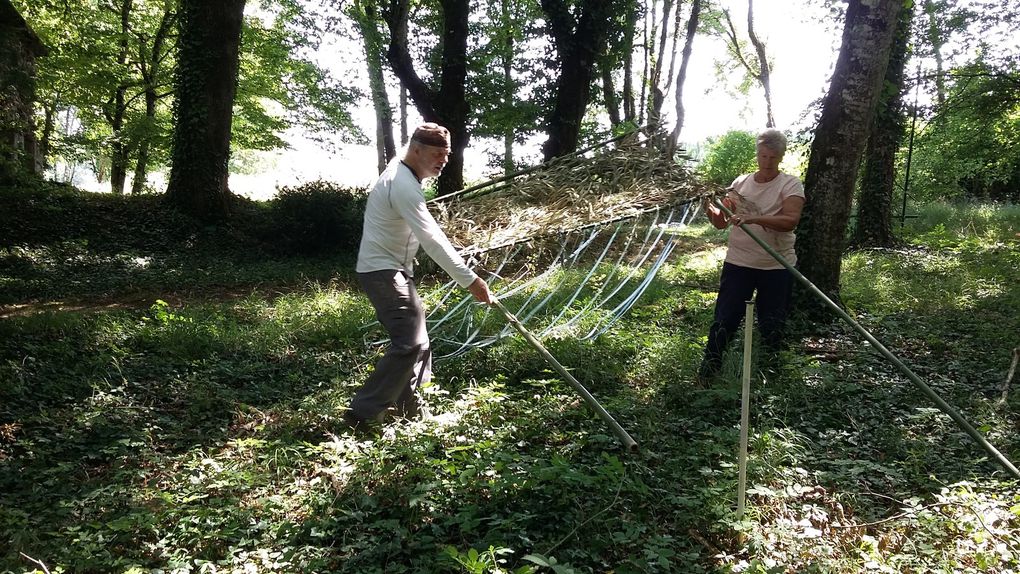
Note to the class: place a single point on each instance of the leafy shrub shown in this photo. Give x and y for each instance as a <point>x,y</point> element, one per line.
<point>318,217</point>
<point>39,212</point>
<point>728,156</point>
<point>971,151</point>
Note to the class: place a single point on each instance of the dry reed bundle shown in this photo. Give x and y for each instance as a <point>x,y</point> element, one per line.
<point>570,193</point>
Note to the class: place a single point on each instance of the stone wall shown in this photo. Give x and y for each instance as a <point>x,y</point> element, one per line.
<point>19,48</point>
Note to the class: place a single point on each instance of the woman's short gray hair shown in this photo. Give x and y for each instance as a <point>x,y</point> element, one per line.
<point>773,139</point>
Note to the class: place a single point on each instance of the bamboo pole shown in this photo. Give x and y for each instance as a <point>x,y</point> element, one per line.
<point>620,433</point>
<point>913,378</point>
<point>745,410</point>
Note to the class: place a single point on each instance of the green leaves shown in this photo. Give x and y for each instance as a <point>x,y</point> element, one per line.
<point>204,430</point>
<point>727,157</point>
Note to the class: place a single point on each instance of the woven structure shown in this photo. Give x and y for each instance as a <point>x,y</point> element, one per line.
<point>568,248</point>
<point>568,194</point>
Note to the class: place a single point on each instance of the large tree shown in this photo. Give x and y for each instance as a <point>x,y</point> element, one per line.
<point>755,65</point>
<point>153,58</point>
<point>444,101</point>
<point>206,83</point>
<point>579,35</point>
<point>681,77</point>
<point>840,138</point>
<point>506,77</point>
<point>365,15</point>
<point>967,144</point>
<point>878,179</point>
<point>106,89</point>
<point>110,72</point>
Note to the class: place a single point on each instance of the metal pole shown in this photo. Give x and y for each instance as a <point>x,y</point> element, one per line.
<point>931,394</point>
<point>745,410</point>
<point>620,433</point>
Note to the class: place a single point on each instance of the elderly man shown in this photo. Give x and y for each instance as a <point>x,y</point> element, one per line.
<point>397,221</point>
<point>769,201</point>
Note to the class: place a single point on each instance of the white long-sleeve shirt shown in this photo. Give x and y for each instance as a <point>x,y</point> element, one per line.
<point>397,222</point>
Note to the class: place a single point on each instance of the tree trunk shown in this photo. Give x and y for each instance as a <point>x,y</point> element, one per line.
<point>447,105</point>
<point>49,124</point>
<point>878,179</point>
<point>208,58</point>
<point>629,113</point>
<point>840,139</point>
<point>451,104</point>
<point>151,66</point>
<point>578,41</point>
<point>681,76</point>
<point>117,108</point>
<point>142,161</point>
<point>609,94</point>
<point>403,115</point>
<point>643,97</point>
<point>763,65</point>
<point>366,17</point>
<point>657,91</point>
<point>759,70</point>
<point>507,57</point>
<point>936,37</point>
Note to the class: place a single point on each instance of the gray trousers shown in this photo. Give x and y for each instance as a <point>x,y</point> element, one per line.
<point>407,362</point>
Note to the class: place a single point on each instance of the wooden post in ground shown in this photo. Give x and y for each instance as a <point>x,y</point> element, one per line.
<point>745,410</point>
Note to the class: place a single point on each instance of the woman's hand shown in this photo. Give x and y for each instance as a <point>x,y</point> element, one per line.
<point>738,219</point>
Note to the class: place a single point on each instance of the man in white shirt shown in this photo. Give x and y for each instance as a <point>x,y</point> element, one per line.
<point>397,222</point>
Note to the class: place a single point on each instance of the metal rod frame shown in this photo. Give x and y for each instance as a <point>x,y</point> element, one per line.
<point>618,430</point>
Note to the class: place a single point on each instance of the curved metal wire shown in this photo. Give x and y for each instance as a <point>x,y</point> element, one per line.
<point>641,244</point>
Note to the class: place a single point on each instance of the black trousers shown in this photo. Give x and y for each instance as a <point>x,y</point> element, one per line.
<point>736,286</point>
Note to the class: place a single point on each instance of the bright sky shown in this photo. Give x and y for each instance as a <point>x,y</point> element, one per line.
<point>802,49</point>
<point>801,43</point>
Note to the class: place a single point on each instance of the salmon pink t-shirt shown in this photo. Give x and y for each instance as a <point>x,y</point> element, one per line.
<point>752,199</point>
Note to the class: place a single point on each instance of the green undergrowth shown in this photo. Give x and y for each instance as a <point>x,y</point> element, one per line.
<point>62,245</point>
<point>204,434</point>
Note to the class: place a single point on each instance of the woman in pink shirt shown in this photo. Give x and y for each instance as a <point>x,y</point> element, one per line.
<point>769,202</point>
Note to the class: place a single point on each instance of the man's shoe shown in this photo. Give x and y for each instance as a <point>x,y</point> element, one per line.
<point>359,425</point>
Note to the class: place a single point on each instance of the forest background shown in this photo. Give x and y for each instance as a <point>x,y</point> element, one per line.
<point>106,98</point>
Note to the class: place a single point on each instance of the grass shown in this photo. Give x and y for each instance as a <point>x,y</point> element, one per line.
<point>197,428</point>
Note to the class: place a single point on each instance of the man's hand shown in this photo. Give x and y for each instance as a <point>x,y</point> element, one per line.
<point>480,289</point>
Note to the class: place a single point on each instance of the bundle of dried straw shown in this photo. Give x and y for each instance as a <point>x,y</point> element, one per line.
<point>568,194</point>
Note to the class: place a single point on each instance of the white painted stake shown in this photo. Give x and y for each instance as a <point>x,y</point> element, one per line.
<point>745,410</point>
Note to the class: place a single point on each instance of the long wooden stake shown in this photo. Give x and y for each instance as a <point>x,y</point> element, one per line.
<point>745,410</point>
<point>913,378</point>
<point>620,433</point>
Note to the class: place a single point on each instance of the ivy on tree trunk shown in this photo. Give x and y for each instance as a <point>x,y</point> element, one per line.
<point>209,45</point>
<point>840,139</point>
<point>878,179</point>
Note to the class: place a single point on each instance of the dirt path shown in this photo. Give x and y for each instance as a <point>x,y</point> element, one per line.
<point>143,300</point>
